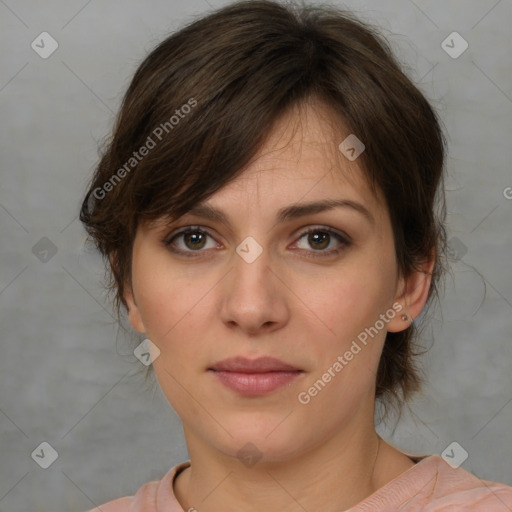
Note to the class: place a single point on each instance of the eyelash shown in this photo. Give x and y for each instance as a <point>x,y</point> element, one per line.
<point>345,242</point>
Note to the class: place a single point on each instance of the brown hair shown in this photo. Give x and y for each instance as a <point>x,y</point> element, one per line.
<point>202,102</point>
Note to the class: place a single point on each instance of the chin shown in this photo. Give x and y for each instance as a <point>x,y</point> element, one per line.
<point>261,441</point>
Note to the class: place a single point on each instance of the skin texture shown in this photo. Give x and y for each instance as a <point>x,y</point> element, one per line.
<point>304,310</point>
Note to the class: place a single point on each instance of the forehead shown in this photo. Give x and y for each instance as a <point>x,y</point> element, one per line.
<point>298,162</point>
<point>300,159</point>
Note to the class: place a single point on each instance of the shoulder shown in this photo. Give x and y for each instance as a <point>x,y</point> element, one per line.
<point>433,485</point>
<point>118,505</point>
<point>456,487</point>
<point>147,498</point>
<point>487,497</point>
<point>144,500</point>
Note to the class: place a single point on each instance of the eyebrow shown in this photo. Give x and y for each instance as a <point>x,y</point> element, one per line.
<point>293,211</point>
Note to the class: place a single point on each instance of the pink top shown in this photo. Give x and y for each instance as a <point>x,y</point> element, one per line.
<point>432,485</point>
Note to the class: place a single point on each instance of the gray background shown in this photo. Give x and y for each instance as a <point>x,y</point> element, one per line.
<point>68,375</point>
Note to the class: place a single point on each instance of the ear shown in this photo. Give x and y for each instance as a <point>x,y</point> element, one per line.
<point>412,295</point>
<point>134,315</point>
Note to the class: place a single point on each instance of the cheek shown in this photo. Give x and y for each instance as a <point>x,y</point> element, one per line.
<point>169,305</point>
<point>174,306</point>
<point>155,302</point>
<point>163,295</point>
<point>349,299</point>
<point>345,311</point>
<point>346,351</point>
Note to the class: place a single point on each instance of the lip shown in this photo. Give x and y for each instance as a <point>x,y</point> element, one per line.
<point>254,377</point>
<point>259,365</point>
<point>255,384</point>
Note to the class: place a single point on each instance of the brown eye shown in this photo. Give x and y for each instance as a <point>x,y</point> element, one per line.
<point>196,240</point>
<point>319,239</point>
<point>188,241</point>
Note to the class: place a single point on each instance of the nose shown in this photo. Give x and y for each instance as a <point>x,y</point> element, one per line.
<point>254,295</point>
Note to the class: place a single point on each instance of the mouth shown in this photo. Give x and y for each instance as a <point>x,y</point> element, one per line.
<point>259,365</point>
<point>254,377</point>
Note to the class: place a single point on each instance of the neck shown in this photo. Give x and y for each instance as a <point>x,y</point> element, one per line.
<point>334,476</point>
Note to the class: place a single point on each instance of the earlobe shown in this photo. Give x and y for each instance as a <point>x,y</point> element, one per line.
<point>412,297</point>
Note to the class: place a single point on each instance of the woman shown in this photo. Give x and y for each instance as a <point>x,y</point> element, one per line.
<point>271,206</point>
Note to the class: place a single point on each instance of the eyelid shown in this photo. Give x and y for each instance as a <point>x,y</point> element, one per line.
<point>327,229</point>
<point>185,229</point>
<point>343,238</point>
<point>167,240</point>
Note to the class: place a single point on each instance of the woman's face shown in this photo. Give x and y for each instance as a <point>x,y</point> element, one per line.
<point>256,284</point>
